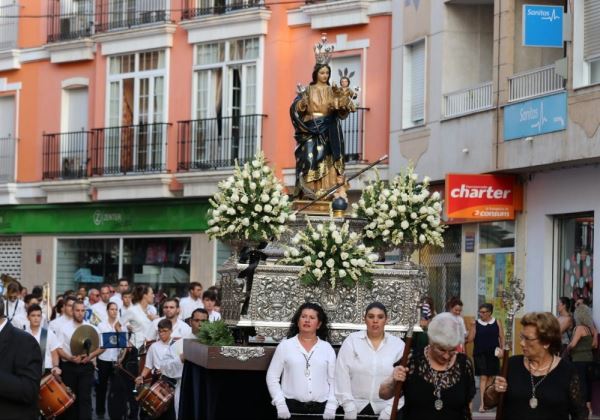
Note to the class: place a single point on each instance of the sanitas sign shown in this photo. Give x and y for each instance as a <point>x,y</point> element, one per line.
<point>482,197</point>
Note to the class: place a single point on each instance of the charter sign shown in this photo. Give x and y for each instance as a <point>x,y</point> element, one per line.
<point>481,197</point>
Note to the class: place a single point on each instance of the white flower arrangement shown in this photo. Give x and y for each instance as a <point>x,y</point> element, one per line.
<point>332,254</point>
<point>403,211</point>
<point>250,204</point>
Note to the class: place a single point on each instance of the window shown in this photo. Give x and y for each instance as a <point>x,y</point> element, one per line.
<point>496,263</point>
<point>136,137</point>
<point>575,255</point>
<point>413,85</point>
<point>591,38</point>
<point>7,138</point>
<point>225,101</point>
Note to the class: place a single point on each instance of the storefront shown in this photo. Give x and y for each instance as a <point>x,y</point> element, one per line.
<point>158,243</point>
<point>562,206</point>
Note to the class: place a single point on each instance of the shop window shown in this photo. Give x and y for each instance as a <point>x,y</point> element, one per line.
<point>163,263</point>
<point>496,263</point>
<point>575,255</point>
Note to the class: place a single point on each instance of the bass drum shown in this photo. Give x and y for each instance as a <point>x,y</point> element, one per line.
<point>55,397</point>
<point>155,399</point>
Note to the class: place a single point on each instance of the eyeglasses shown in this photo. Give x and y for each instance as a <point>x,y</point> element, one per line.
<point>525,338</point>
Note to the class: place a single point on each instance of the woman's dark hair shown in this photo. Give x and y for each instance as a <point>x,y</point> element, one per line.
<point>567,302</point>
<point>322,332</point>
<point>377,305</point>
<point>139,292</point>
<point>37,291</point>
<point>109,304</point>
<point>452,302</point>
<point>57,310</point>
<point>488,307</point>
<point>316,72</point>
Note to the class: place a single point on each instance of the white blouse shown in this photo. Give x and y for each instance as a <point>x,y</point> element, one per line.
<point>109,355</point>
<point>305,376</point>
<point>139,322</point>
<point>360,369</point>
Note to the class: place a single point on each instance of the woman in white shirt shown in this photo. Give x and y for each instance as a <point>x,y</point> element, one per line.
<point>138,317</point>
<point>300,377</point>
<point>366,359</point>
<point>105,360</point>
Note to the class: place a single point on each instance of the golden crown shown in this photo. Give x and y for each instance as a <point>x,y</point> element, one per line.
<point>323,50</point>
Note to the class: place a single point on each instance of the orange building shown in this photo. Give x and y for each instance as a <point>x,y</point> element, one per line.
<point>119,117</point>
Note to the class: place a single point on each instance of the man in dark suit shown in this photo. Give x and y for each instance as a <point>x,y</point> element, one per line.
<point>20,372</point>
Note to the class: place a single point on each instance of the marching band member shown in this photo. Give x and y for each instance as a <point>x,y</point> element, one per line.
<point>191,302</point>
<point>99,308</point>
<point>157,353</point>
<point>172,367</point>
<point>178,327</point>
<point>77,371</point>
<point>66,316</point>
<point>15,308</point>
<point>107,358</point>
<point>93,298</point>
<point>122,288</point>
<point>137,319</point>
<point>46,338</point>
<point>22,321</point>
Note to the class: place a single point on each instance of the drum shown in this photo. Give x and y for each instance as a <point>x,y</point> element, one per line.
<point>155,399</point>
<point>55,397</point>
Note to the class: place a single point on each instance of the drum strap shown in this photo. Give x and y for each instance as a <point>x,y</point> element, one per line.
<point>43,340</point>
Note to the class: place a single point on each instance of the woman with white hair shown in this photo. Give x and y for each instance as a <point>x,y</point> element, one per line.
<point>439,384</point>
<point>580,349</point>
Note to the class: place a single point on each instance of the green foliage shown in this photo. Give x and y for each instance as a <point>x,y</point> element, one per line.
<point>215,334</point>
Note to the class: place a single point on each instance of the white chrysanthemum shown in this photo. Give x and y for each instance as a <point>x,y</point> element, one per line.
<point>321,254</point>
<point>244,199</point>
<point>330,263</point>
<point>258,208</point>
<point>318,263</point>
<point>404,224</point>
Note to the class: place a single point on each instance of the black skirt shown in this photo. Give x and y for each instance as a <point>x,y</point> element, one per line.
<point>486,364</point>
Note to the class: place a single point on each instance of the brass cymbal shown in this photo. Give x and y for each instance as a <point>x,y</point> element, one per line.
<point>85,340</point>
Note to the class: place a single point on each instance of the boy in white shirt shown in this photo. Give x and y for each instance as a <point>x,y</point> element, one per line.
<point>51,344</point>
<point>209,299</point>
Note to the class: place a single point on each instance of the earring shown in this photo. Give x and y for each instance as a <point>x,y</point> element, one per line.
<point>546,347</point>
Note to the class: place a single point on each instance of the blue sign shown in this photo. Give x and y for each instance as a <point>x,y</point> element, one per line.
<point>536,116</point>
<point>542,26</point>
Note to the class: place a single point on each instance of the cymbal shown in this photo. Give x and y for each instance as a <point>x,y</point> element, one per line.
<point>84,340</point>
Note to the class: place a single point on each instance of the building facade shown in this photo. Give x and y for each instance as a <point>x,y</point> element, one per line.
<point>119,117</point>
<point>468,96</point>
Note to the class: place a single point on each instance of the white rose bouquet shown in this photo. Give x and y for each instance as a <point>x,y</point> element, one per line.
<point>331,254</point>
<point>250,204</point>
<point>404,211</point>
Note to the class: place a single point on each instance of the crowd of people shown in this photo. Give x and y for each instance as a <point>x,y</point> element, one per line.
<point>153,327</point>
<point>550,380</point>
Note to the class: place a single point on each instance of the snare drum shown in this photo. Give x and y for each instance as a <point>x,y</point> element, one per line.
<point>55,397</point>
<point>155,399</point>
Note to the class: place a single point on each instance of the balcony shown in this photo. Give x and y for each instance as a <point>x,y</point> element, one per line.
<point>66,155</point>
<point>214,143</point>
<point>70,20</point>
<point>535,82</point>
<point>132,149</point>
<point>468,101</point>
<point>124,14</point>
<point>7,159</point>
<point>195,8</point>
<point>353,130</point>
<point>9,25</point>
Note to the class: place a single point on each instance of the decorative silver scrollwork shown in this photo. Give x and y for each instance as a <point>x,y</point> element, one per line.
<point>242,354</point>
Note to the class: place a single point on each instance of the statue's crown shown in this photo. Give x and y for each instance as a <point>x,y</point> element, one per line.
<point>323,50</point>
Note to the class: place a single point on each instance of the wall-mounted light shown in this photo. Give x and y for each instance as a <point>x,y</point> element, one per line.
<point>465,150</point>
<point>529,138</point>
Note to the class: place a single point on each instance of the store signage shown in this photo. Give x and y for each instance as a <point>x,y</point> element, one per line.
<point>543,26</point>
<point>142,217</point>
<point>470,242</point>
<point>536,116</point>
<point>482,197</point>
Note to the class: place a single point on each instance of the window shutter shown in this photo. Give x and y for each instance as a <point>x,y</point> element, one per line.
<point>591,30</point>
<point>417,88</point>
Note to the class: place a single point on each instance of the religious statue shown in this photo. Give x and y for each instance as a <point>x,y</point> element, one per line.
<point>316,113</point>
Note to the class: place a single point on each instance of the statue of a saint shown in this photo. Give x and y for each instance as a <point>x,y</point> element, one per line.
<point>316,113</point>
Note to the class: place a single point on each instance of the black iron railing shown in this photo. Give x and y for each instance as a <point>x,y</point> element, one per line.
<point>212,143</point>
<point>353,129</point>
<point>69,20</point>
<point>9,25</point>
<point>129,149</point>
<point>66,155</point>
<point>196,8</point>
<point>122,14</point>
<point>7,159</point>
